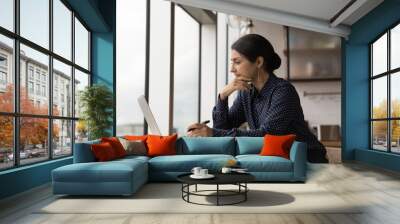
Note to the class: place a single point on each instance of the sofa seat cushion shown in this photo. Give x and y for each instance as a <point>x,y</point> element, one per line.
<point>111,171</point>
<point>257,163</point>
<point>185,163</point>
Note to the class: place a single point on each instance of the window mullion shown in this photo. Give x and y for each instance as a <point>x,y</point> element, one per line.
<point>73,81</point>
<point>50,81</point>
<point>389,106</point>
<point>16,84</point>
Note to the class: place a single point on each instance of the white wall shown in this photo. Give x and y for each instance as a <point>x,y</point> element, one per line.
<point>320,109</point>
<point>276,34</point>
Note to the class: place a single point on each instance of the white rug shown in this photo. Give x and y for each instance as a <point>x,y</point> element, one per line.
<point>166,198</point>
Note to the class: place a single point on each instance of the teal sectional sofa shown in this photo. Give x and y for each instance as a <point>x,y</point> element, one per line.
<point>125,176</point>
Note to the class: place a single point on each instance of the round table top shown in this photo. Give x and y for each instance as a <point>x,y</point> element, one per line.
<point>220,178</point>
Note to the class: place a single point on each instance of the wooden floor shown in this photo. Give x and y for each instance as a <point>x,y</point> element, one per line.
<point>353,182</point>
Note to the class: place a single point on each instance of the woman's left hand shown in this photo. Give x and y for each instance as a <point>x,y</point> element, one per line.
<point>200,130</point>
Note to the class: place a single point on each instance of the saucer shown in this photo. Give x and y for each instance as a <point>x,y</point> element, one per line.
<point>208,176</point>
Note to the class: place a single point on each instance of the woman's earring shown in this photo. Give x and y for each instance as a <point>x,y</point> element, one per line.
<point>258,75</point>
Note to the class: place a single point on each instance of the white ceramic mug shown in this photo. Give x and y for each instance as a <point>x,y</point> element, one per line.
<point>203,172</point>
<point>226,170</point>
<point>196,170</point>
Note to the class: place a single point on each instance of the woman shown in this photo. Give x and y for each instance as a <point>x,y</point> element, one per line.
<point>270,105</point>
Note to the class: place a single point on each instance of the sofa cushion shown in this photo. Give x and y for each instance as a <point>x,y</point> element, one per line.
<point>161,145</point>
<point>111,171</point>
<point>185,163</point>
<point>257,163</point>
<point>134,147</point>
<point>249,145</point>
<point>206,145</point>
<point>103,152</point>
<point>116,145</point>
<point>277,145</point>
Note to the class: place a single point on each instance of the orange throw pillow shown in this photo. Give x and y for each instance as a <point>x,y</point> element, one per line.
<point>136,137</point>
<point>116,145</point>
<point>277,145</point>
<point>161,145</point>
<point>103,151</point>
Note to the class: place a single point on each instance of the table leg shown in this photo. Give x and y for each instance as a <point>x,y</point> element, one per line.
<point>245,193</point>
<point>217,194</point>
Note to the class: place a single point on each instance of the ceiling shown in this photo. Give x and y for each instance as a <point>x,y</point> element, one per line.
<point>333,17</point>
<point>319,9</point>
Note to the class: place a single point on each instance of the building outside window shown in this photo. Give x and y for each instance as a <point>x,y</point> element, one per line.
<point>34,79</point>
<point>30,87</point>
<point>3,72</point>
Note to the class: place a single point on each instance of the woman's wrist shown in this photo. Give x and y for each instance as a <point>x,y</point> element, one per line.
<point>224,95</point>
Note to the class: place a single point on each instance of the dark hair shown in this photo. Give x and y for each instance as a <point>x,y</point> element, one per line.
<point>253,45</point>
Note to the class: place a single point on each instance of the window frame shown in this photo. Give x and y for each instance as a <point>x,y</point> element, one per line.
<point>388,74</point>
<point>16,115</point>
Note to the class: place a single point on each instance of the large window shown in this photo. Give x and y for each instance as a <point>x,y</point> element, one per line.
<point>38,124</point>
<point>385,94</point>
<point>186,75</point>
<point>160,57</point>
<point>131,62</point>
<point>160,63</point>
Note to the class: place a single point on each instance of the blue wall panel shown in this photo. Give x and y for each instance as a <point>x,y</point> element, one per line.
<point>103,63</point>
<point>24,178</point>
<point>356,85</point>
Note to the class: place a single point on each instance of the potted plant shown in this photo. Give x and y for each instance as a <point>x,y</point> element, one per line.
<point>96,102</point>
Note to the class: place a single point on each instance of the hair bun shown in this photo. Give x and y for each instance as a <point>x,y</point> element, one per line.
<point>275,61</point>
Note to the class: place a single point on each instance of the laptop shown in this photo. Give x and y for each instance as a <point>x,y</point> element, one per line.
<point>148,115</point>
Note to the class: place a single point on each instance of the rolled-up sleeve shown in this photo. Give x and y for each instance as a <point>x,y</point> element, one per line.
<point>284,108</point>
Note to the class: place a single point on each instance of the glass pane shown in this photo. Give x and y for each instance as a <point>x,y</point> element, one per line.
<point>81,81</point>
<point>313,55</point>
<point>160,48</point>
<point>81,131</point>
<point>62,29</point>
<point>62,89</point>
<point>7,14</point>
<point>131,54</point>
<point>379,97</point>
<point>62,138</point>
<point>6,142</point>
<point>222,51</point>
<point>186,87</point>
<point>395,94</point>
<point>6,74</point>
<point>35,21</point>
<point>395,47</point>
<point>33,139</point>
<point>395,136</point>
<point>34,80</point>
<point>379,135</point>
<point>379,55</point>
<point>81,45</point>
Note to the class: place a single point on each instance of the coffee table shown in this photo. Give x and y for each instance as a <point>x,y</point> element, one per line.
<point>238,179</point>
